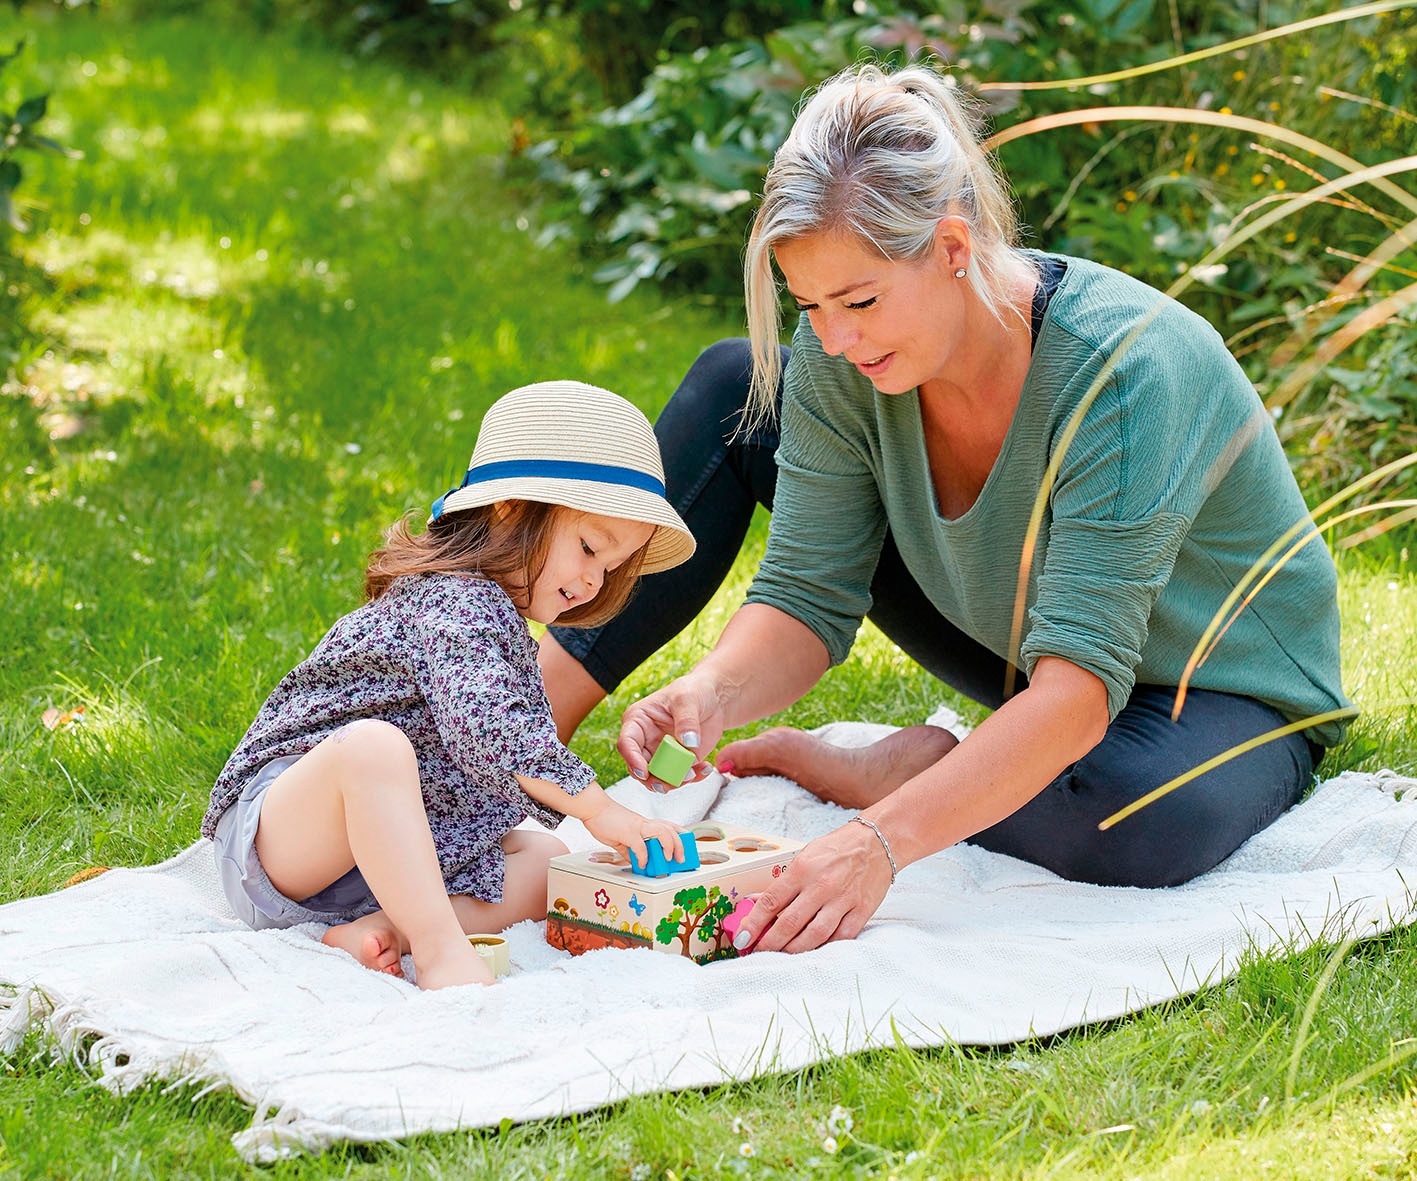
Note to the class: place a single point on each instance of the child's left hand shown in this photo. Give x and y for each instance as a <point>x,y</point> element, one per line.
<point>624,830</point>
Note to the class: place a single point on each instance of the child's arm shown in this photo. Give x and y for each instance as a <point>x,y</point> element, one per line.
<point>610,823</point>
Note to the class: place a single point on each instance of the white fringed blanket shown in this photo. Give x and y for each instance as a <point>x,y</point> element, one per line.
<point>144,973</point>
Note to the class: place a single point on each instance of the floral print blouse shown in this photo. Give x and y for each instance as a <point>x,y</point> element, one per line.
<point>446,659</point>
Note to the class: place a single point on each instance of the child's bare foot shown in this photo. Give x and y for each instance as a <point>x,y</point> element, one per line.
<point>372,940</point>
<point>456,962</point>
<point>854,777</point>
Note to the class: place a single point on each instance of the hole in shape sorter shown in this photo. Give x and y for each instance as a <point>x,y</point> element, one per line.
<point>597,899</point>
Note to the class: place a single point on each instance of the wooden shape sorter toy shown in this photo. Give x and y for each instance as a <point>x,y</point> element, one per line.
<point>594,899</point>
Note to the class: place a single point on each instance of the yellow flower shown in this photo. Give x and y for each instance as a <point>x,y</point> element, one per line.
<point>1232,150</point>
<point>1221,169</point>
<point>1279,183</point>
<point>1291,236</point>
<point>1238,75</point>
<point>1257,179</point>
<point>1226,111</point>
<point>1130,195</point>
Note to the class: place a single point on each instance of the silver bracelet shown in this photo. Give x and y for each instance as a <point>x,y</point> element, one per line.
<point>880,836</point>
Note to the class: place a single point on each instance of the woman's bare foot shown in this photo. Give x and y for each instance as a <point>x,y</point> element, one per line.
<point>372,940</point>
<point>854,777</point>
<point>447,964</point>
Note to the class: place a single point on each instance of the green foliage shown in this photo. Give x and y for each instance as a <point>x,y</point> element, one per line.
<point>444,38</point>
<point>621,40</point>
<point>698,911</point>
<point>437,33</point>
<point>20,135</point>
<point>661,189</point>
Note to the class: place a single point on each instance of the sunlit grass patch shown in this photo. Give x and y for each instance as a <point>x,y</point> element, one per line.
<point>165,564</point>
<point>1378,601</point>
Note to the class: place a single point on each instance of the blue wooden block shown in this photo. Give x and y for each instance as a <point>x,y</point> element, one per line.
<point>657,865</point>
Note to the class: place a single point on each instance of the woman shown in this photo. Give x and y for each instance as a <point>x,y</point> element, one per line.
<point>936,372</point>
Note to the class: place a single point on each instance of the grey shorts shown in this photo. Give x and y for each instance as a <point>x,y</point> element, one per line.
<point>249,891</point>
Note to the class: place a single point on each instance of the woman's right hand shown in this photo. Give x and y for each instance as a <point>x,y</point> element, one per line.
<point>688,708</point>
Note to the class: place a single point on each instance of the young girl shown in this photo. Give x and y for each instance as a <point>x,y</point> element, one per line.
<point>379,788</point>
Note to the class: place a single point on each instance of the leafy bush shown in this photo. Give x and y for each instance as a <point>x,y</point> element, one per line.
<point>661,188</point>
<point>620,41</point>
<point>443,37</point>
<point>434,34</point>
<point>20,135</point>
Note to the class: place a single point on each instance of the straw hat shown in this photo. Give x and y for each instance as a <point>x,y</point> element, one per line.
<point>568,443</point>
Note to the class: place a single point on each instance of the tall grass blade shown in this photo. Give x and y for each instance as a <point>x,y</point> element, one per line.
<point>1301,1035</point>
<point>1203,645</point>
<point>1379,529</point>
<point>1209,119</point>
<point>1186,59</point>
<point>1370,318</point>
<point>1050,475</point>
<point>1349,285</point>
<point>1382,527</point>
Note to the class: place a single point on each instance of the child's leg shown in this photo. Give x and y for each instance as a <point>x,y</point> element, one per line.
<point>355,800</point>
<point>377,943</point>
<point>523,889</point>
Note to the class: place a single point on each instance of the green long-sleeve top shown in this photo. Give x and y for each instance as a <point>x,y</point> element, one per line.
<point>1173,486</point>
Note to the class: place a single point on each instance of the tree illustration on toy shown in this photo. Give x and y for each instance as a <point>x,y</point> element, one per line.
<point>697,910</point>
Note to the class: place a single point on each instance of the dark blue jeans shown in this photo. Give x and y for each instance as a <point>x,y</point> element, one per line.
<point>716,479</point>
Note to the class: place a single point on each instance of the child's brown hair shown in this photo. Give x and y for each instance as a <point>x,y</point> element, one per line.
<point>508,547</point>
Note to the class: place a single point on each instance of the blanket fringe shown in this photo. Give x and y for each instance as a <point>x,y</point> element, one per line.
<point>120,1065</point>
<point>20,1011</point>
<point>287,1133</point>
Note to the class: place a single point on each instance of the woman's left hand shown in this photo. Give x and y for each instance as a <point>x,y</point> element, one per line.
<point>830,890</point>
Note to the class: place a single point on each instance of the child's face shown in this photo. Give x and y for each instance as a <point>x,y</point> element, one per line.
<point>583,547</point>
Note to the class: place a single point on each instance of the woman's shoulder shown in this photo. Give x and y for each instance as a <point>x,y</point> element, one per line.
<point>1099,307</point>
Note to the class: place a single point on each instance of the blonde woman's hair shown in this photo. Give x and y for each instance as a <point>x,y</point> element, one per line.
<point>511,550</point>
<point>880,157</point>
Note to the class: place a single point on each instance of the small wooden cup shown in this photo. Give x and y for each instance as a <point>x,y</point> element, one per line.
<point>493,949</point>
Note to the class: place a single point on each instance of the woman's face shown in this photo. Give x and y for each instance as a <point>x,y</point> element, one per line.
<point>899,323</point>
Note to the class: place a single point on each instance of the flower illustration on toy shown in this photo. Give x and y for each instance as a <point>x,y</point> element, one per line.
<point>602,899</point>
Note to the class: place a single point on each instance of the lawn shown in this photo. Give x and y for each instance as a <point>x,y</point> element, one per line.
<point>258,322</point>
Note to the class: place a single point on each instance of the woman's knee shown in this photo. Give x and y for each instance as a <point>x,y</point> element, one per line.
<point>713,392</point>
<point>1166,842</point>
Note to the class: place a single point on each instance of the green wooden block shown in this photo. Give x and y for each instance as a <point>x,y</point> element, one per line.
<point>672,762</point>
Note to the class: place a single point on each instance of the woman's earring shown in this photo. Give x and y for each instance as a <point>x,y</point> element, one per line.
<point>960,274</point>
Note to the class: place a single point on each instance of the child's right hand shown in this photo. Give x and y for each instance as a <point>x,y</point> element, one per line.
<point>624,830</point>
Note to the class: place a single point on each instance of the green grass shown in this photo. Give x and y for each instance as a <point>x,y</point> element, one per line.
<point>252,327</point>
